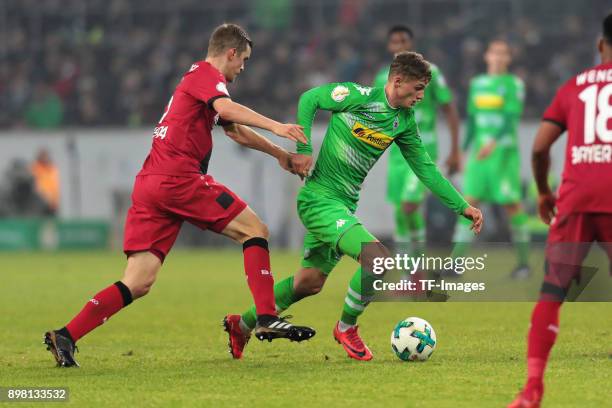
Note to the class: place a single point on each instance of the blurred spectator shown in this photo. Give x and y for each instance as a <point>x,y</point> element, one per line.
<point>46,180</point>
<point>18,194</point>
<point>45,110</point>
<point>115,63</point>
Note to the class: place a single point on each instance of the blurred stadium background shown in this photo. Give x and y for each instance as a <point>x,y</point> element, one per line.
<point>83,83</point>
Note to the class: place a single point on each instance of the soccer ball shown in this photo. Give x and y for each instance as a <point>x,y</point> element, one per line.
<point>413,339</point>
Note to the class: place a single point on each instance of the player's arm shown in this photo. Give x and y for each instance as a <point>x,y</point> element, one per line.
<point>426,170</point>
<point>208,88</point>
<point>335,97</point>
<point>552,126</point>
<point>444,98</point>
<point>469,131</point>
<point>248,137</point>
<point>548,133</point>
<point>470,126</point>
<point>451,115</point>
<point>237,113</point>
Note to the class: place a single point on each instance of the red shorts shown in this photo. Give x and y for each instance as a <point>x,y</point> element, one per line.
<point>569,241</point>
<point>161,203</point>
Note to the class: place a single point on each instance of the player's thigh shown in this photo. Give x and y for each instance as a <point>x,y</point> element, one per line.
<point>361,245</point>
<point>246,225</point>
<point>207,204</point>
<point>413,191</point>
<point>148,228</point>
<point>568,243</point>
<point>476,179</point>
<point>602,223</point>
<point>506,190</point>
<point>318,255</point>
<point>326,219</point>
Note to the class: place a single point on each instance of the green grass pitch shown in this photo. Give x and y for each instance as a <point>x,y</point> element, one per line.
<point>169,349</point>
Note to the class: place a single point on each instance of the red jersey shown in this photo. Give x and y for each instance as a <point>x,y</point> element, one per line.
<point>182,140</point>
<point>583,106</point>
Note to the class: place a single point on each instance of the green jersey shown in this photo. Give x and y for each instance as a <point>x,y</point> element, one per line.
<point>495,104</point>
<point>362,126</point>
<point>437,93</point>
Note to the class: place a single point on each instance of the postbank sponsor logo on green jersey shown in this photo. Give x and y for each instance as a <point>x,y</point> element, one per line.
<point>370,136</point>
<point>489,101</point>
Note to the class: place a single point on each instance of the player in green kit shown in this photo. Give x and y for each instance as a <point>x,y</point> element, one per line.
<point>492,171</point>
<point>404,190</point>
<point>364,122</point>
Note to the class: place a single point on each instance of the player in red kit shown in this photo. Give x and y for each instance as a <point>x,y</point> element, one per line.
<point>582,212</point>
<point>173,186</point>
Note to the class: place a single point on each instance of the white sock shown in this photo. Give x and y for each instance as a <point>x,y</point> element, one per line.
<point>344,326</point>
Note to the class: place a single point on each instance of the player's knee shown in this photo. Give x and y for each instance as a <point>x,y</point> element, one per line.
<point>140,276</point>
<point>140,289</point>
<point>372,251</point>
<point>309,288</point>
<point>258,230</point>
<point>409,208</point>
<point>513,209</point>
<point>308,284</point>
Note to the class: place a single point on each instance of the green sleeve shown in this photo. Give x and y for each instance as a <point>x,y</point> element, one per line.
<point>439,88</point>
<point>516,98</point>
<point>426,170</point>
<point>470,129</point>
<point>334,97</point>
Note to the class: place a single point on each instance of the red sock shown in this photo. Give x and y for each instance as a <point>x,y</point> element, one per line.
<point>99,309</point>
<point>542,336</point>
<point>259,276</point>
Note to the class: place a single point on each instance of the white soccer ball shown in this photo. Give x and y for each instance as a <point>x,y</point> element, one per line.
<point>413,339</point>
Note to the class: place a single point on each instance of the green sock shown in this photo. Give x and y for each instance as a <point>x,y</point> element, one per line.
<point>462,238</point>
<point>409,232</point>
<point>354,301</point>
<point>416,224</point>
<point>520,237</point>
<point>402,231</point>
<point>283,296</point>
<point>354,305</point>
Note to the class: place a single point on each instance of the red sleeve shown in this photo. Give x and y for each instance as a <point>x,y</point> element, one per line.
<point>556,111</point>
<point>205,84</point>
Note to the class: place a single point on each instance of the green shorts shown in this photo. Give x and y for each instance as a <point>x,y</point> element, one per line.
<point>326,220</point>
<point>402,184</point>
<point>496,179</point>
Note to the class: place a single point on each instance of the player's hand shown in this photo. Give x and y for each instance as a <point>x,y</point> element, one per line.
<point>475,215</point>
<point>453,162</point>
<point>546,207</point>
<point>284,160</point>
<point>301,164</point>
<point>290,131</point>
<point>486,150</point>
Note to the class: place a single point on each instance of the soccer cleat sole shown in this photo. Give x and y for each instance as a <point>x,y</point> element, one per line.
<point>297,335</point>
<point>50,341</point>
<point>226,327</point>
